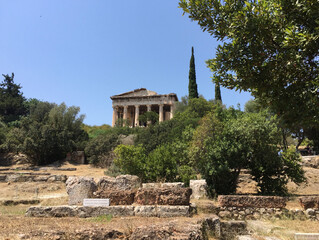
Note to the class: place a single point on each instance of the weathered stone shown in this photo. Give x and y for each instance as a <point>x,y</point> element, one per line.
<point>117,197</point>
<point>212,224</point>
<point>145,211</point>
<point>230,229</point>
<point>172,211</point>
<point>170,230</point>
<point>122,182</point>
<point>309,202</point>
<point>151,185</point>
<point>199,188</point>
<point>310,161</point>
<point>3,178</point>
<point>310,212</point>
<point>163,196</point>
<point>173,185</point>
<point>79,188</point>
<point>225,214</point>
<point>117,211</point>
<point>252,201</point>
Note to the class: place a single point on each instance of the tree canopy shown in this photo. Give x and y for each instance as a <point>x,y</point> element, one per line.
<point>270,48</point>
<point>11,100</point>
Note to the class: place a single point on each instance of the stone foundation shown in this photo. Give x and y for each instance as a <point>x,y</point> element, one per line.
<point>32,178</point>
<point>252,201</point>
<point>250,213</point>
<point>116,211</point>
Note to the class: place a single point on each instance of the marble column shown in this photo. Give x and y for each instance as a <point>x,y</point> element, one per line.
<point>161,113</point>
<point>137,115</point>
<point>125,115</point>
<point>114,119</point>
<point>171,111</point>
<point>149,108</point>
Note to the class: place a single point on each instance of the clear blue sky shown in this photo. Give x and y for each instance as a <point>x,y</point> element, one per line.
<point>81,52</point>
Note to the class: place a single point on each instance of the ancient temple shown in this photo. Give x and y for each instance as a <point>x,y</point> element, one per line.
<point>127,107</point>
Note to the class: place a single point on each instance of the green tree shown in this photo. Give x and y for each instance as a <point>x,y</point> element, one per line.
<point>48,133</point>
<point>192,85</point>
<point>11,100</point>
<point>269,48</point>
<point>227,141</point>
<point>218,95</point>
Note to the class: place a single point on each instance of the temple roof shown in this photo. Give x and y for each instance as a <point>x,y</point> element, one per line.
<point>141,92</point>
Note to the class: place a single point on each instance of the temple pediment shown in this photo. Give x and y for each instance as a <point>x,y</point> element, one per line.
<point>141,92</point>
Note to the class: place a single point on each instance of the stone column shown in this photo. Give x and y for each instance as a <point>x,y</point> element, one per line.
<point>149,108</point>
<point>161,113</point>
<point>125,115</point>
<point>171,111</point>
<point>137,114</point>
<point>114,119</point>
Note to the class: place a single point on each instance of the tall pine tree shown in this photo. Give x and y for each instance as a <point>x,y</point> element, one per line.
<point>218,95</point>
<point>192,85</point>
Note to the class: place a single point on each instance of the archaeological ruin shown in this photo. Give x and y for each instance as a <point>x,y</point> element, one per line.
<point>128,106</point>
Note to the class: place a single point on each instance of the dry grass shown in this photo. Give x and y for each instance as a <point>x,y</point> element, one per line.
<point>283,229</point>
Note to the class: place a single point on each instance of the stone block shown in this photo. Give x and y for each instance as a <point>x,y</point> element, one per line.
<point>122,182</point>
<point>309,202</point>
<point>117,211</point>
<point>120,197</point>
<point>252,201</point>
<point>79,188</point>
<point>3,178</point>
<point>96,202</point>
<point>173,185</point>
<point>163,196</point>
<point>199,188</point>
<point>307,236</point>
<point>145,211</point>
<point>230,229</point>
<point>173,211</point>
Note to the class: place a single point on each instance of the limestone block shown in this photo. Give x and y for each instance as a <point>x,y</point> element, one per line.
<point>173,185</point>
<point>172,211</point>
<point>170,230</point>
<point>117,197</point>
<point>309,202</point>
<point>145,211</point>
<point>151,185</point>
<point>199,188</point>
<point>117,211</point>
<point>122,182</point>
<point>163,196</point>
<point>79,188</point>
<point>252,201</point>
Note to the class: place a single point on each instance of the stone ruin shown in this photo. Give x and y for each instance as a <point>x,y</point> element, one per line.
<point>129,197</point>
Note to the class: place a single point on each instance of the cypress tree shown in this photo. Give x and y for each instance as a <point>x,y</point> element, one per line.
<point>218,95</point>
<point>192,85</point>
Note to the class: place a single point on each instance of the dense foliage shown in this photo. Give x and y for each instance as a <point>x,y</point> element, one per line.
<point>11,100</point>
<point>48,133</point>
<point>269,48</point>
